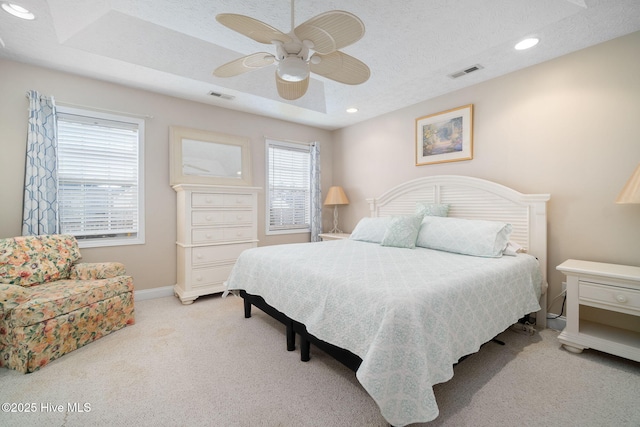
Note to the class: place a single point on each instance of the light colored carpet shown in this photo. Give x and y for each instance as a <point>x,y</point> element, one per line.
<point>204,364</point>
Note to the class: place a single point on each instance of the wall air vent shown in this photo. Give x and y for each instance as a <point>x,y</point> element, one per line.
<point>221,95</point>
<point>466,71</point>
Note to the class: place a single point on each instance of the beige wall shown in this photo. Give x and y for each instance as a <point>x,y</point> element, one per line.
<point>152,264</point>
<point>568,127</point>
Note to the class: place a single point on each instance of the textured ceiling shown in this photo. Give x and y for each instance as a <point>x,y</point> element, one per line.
<point>411,46</point>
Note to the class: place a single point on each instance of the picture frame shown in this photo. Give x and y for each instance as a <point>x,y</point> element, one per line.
<point>205,157</point>
<point>445,137</point>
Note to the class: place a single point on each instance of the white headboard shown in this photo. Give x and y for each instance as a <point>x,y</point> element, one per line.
<point>475,198</point>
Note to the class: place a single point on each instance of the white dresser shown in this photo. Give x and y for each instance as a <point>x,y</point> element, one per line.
<point>215,224</point>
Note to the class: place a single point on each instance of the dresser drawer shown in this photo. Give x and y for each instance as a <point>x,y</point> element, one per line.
<point>212,235</point>
<point>201,200</point>
<point>597,294</point>
<point>218,254</point>
<point>221,217</point>
<point>212,275</point>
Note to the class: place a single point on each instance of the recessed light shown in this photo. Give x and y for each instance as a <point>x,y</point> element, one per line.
<point>17,10</point>
<point>527,43</point>
<point>352,110</point>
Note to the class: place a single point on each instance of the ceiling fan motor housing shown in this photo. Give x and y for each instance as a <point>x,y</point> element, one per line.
<point>293,69</point>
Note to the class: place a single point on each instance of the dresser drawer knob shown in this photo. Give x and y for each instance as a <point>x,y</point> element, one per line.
<point>208,200</point>
<point>239,217</point>
<point>199,279</point>
<point>199,256</point>
<point>239,234</point>
<point>208,236</point>
<point>621,298</point>
<point>208,218</point>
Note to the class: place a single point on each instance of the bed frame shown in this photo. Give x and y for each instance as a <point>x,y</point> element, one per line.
<point>468,197</point>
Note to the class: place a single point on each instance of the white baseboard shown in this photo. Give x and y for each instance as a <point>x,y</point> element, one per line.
<point>556,324</point>
<point>165,291</point>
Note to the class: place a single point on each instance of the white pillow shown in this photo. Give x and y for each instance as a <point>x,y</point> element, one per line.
<point>371,229</point>
<point>464,236</point>
<point>432,209</point>
<point>402,232</point>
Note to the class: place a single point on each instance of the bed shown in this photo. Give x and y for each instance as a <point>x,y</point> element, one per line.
<point>402,316</point>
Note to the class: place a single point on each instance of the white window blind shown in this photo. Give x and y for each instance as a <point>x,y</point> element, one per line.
<point>99,172</point>
<point>288,177</point>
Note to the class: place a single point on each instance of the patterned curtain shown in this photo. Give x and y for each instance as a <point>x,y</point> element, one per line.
<point>316,193</point>
<point>40,214</point>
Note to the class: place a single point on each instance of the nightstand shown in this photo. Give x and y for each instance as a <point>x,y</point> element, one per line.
<point>611,288</point>
<point>334,236</point>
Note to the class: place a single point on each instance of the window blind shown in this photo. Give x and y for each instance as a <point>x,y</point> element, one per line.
<point>289,186</point>
<point>98,177</point>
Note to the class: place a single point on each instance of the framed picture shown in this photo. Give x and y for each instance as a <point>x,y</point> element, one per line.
<point>445,137</point>
<point>203,157</point>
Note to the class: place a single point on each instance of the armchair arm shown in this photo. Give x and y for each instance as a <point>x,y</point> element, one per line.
<point>97,270</point>
<point>12,296</point>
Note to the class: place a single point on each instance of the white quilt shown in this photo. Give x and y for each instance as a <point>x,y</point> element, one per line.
<point>409,314</point>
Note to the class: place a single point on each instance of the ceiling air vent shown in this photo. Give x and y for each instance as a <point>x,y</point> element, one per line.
<point>221,95</point>
<point>466,71</point>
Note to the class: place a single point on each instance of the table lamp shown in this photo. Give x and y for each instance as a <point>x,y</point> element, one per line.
<point>336,197</point>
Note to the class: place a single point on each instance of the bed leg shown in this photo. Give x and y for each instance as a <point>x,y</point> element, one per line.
<point>247,308</point>
<point>291,337</point>
<point>305,349</point>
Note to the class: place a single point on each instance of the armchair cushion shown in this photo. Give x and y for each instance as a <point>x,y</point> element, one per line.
<point>64,296</point>
<point>97,270</point>
<point>29,260</point>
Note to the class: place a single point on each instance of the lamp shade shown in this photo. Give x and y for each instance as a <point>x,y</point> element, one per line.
<point>336,196</point>
<point>631,191</point>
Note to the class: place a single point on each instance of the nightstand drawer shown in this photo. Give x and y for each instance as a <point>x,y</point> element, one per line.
<point>596,294</point>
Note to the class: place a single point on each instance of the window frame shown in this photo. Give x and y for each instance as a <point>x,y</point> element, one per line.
<point>140,123</point>
<point>300,146</point>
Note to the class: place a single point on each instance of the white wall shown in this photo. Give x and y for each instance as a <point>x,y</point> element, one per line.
<point>568,127</point>
<point>153,264</point>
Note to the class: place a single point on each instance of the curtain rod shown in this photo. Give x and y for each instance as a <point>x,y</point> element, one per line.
<point>101,110</point>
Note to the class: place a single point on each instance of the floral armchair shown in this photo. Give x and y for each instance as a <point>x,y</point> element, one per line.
<point>50,305</point>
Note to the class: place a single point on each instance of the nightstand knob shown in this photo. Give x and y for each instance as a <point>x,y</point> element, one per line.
<point>621,298</point>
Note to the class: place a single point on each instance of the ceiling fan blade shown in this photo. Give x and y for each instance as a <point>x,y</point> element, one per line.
<point>331,31</point>
<point>252,28</point>
<point>244,64</point>
<point>291,90</point>
<point>341,67</point>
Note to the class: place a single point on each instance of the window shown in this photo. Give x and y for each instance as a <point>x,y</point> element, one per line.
<point>100,188</point>
<point>289,187</point>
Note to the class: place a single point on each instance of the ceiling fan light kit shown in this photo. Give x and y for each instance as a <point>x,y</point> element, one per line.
<point>311,47</point>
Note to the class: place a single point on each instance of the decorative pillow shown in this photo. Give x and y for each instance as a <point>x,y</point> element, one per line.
<point>402,232</point>
<point>432,209</point>
<point>464,236</point>
<point>371,229</point>
<point>30,260</point>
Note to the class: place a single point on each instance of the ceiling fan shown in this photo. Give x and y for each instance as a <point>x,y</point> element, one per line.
<point>310,47</point>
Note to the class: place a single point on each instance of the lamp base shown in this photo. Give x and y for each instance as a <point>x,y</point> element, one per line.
<point>335,228</point>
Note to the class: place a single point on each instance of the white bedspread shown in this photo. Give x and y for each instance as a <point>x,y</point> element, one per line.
<point>410,314</point>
